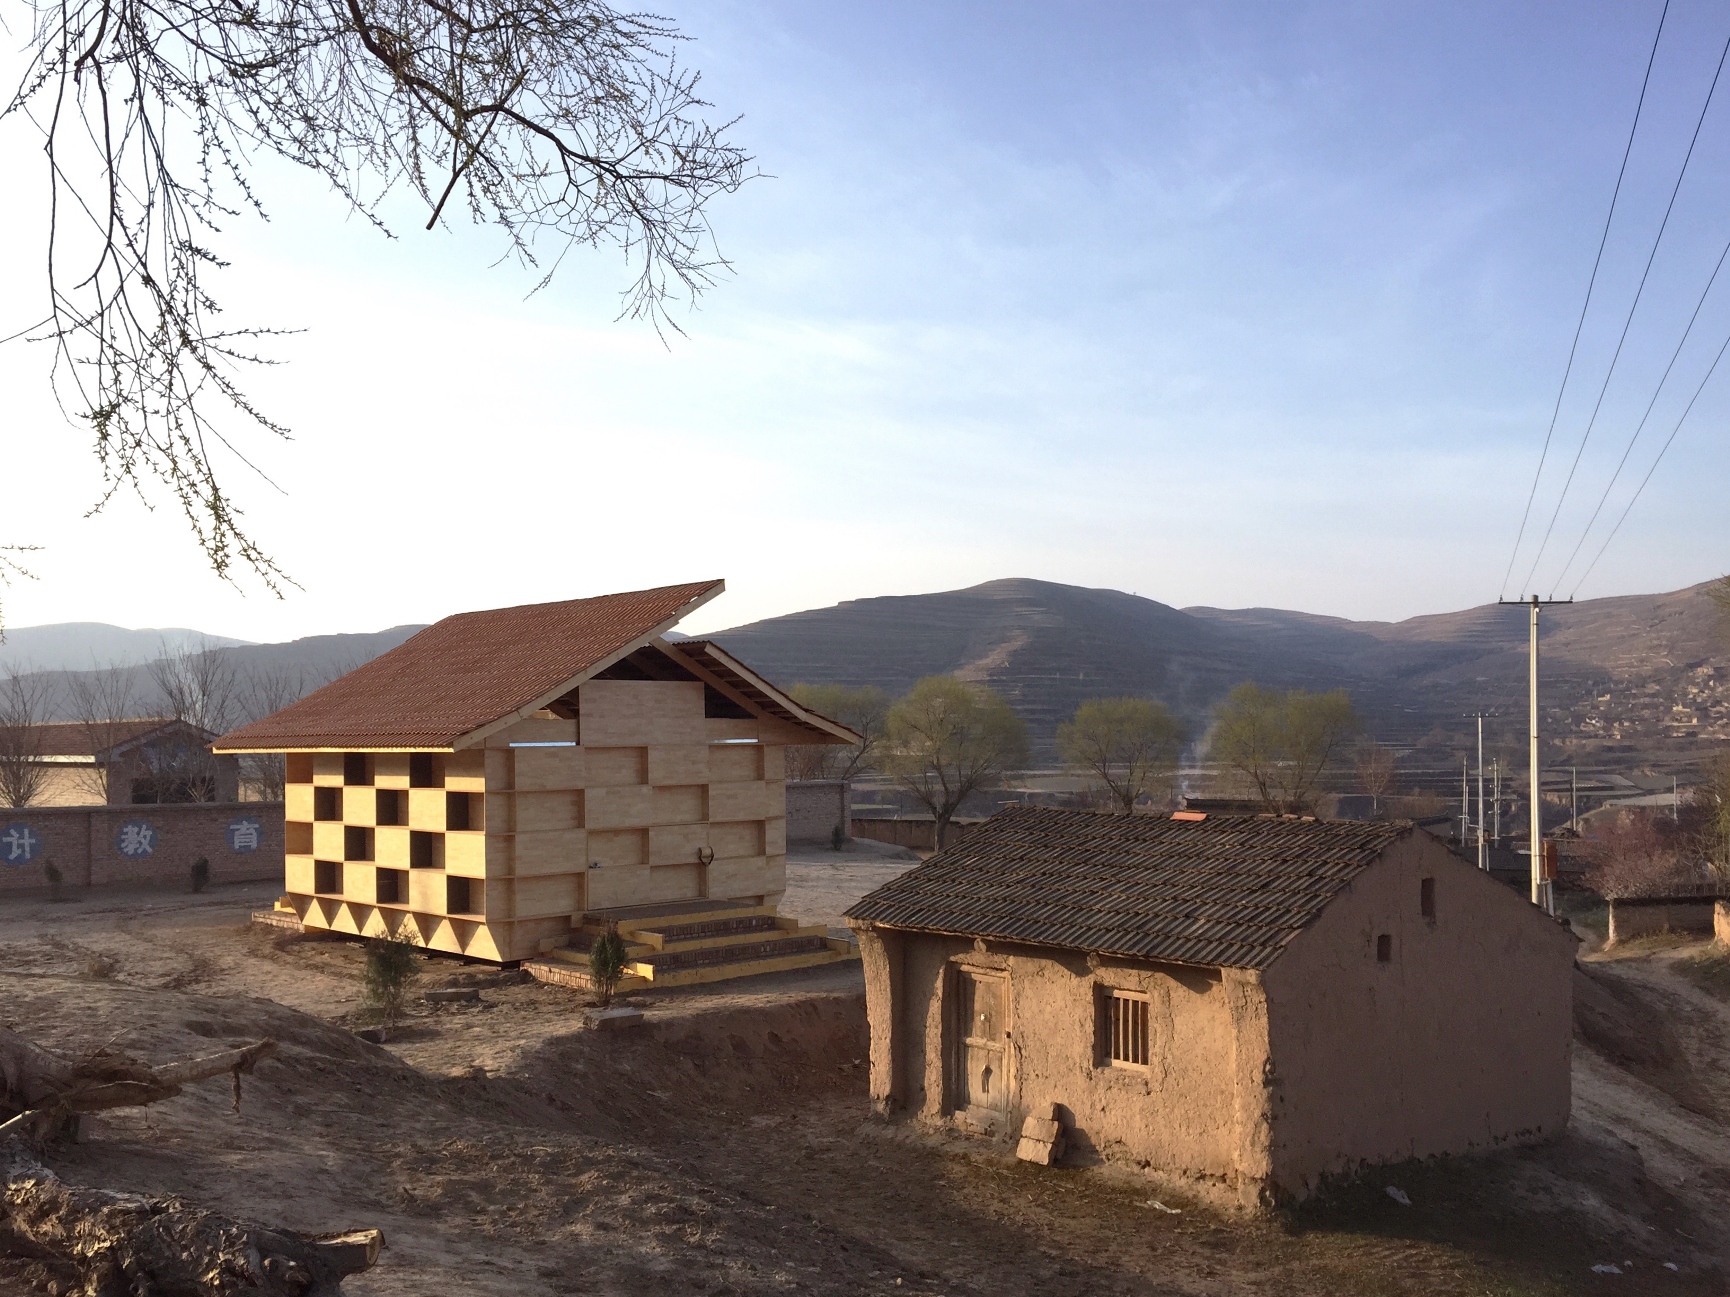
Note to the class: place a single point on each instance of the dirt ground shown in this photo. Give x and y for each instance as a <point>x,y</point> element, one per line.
<point>726,1147</point>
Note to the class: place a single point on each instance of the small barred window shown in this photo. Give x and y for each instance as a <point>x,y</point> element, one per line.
<point>1126,1028</point>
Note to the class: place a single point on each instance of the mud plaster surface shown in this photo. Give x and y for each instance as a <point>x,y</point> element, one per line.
<point>724,1147</point>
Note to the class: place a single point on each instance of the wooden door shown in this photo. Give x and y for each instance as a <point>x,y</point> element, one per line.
<point>982,1083</point>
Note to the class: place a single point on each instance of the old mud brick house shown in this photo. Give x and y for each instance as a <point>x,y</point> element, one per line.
<point>1248,1004</point>
<point>505,783</point>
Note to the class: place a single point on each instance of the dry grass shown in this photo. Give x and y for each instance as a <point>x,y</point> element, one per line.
<point>1708,968</point>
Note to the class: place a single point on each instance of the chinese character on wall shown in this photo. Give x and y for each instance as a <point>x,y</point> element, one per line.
<point>136,839</point>
<point>19,844</point>
<point>243,835</point>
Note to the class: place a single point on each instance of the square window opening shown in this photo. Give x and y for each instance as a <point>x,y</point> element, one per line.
<point>327,877</point>
<point>1124,1031</point>
<point>426,850</point>
<point>425,770</point>
<point>392,887</point>
<point>458,812</point>
<point>392,808</point>
<point>1384,949</point>
<point>357,769</point>
<point>327,804</point>
<point>297,768</point>
<point>461,896</point>
<point>1427,898</point>
<point>356,843</point>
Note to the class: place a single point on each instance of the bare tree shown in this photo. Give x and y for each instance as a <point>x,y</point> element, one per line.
<point>23,705</point>
<point>199,684</point>
<point>104,703</point>
<point>558,122</point>
<point>1376,768</point>
<point>264,690</point>
<point>864,710</point>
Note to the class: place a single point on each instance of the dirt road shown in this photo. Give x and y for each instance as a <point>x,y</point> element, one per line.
<point>725,1146</point>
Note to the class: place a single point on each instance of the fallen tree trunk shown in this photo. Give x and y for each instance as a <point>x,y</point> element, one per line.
<point>32,1080</point>
<point>117,1244</point>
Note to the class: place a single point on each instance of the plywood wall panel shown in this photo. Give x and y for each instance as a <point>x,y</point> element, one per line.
<point>426,809</point>
<point>535,729</point>
<point>750,876</point>
<point>735,762</point>
<point>327,840</point>
<point>327,768</point>
<point>683,763</point>
<point>738,839</point>
<point>540,812</point>
<point>390,770</point>
<point>743,801</point>
<point>390,847</point>
<point>617,808</point>
<point>297,802</point>
<point>687,805</point>
<point>775,835</point>
<point>675,882</point>
<point>543,897</point>
<point>466,854</point>
<point>466,771</point>
<point>547,768</point>
<point>426,890</point>
<point>619,848</point>
<point>564,852</point>
<point>620,712</point>
<point>615,767</point>
<point>774,761</point>
<point>677,844</point>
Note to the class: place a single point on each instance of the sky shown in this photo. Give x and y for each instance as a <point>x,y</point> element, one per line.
<point>1261,304</point>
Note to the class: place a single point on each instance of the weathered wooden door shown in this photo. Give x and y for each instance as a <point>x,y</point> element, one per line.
<point>981,1083</point>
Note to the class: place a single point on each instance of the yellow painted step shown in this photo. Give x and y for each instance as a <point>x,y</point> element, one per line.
<point>581,957</point>
<point>745,968</point>
<point>783,928</point>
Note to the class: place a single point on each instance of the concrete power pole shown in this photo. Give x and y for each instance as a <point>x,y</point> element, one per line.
<point>1497,839</point>
<point>1541,891</point>
<point>1465,804</point>
<point>1483,847</point>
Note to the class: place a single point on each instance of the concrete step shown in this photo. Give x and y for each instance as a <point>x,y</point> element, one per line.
<point>560,973</point>
<point>752,967</point>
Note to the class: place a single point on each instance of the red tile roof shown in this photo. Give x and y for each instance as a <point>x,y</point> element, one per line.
<point>1228,891</point>
<point>467,671</point>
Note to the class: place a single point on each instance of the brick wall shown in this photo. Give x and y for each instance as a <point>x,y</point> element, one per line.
<point>95,846</point>
<point>815,807</point>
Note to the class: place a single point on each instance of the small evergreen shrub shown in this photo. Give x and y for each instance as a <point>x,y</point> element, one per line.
<point>56,880</point>
<point>200,874</point>
<point>607,960</point>
<point>838,838</point>
<point>392,964</point>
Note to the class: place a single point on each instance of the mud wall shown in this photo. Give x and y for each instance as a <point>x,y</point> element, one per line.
<point>1181,1115</point>
<point>98,846</point>
<point>1637,916</point>
<point>1458,1040</point>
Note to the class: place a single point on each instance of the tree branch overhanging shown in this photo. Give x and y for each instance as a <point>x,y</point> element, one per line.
<point>559,122</point>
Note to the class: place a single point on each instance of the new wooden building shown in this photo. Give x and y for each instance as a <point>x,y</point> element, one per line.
<point>508,781</point>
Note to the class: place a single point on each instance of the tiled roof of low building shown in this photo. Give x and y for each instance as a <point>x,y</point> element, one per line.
<point>467,671</point>
<point>1225,891</point>
<point>78,739</point>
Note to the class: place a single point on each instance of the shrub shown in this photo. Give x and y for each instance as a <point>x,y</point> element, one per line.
<point>607,960</point>
<point>56,879</point>
<point>200,874</point>
<point>392,964</point>
<point>838,838</point>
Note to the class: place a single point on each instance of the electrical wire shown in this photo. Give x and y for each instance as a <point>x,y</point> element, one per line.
<point>1633,306</point>
<point>1591,283</point>
<point>1666,446</point>
<point>1650,406</point>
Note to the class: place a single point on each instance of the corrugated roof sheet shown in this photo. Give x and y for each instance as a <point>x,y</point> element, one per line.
<point>468,671</point>
<point>1227,891</point>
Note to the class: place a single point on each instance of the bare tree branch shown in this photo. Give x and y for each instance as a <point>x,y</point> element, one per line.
<point>560,122</point>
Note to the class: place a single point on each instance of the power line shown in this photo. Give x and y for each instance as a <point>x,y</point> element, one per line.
<point>1633,306</point>
<point>1590,284</point>
<point>1651,405</point>
<point>1654,468</point>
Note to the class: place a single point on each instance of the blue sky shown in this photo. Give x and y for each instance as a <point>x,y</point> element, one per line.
<point>1248,305</point>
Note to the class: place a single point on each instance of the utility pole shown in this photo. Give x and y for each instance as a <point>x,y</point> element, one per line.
<point>1542,893</point>
<point>1574,808</point>
<point>1498,837</point>
<point>1465,805</point>
<point>1483,857</point>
